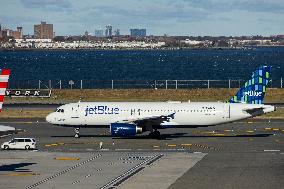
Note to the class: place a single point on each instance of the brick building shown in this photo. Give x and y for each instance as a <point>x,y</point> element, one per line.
<point>43,31</point>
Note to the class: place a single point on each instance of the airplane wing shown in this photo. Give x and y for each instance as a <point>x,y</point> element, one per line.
<point>149,120</point>
<point>6,128</point>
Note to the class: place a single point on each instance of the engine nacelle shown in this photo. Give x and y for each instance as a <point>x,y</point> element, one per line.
<point>124,129</point>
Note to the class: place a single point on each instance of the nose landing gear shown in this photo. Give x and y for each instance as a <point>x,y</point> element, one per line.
<point>77,133</point>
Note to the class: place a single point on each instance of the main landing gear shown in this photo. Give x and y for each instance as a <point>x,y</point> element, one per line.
<point>155,134</point>
<point>77,133</point>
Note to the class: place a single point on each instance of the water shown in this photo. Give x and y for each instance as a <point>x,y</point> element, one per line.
<point>140,64</point>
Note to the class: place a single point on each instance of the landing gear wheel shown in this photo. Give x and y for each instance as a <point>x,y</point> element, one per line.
<point>6,147</point>
<point>77,133</point>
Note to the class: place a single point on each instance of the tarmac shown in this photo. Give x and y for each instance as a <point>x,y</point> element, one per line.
<point>235,155</point>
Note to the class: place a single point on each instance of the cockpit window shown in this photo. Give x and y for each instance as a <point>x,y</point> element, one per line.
<point>60,110</point>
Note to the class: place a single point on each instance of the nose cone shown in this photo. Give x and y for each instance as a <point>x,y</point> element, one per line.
<point>49,118</point>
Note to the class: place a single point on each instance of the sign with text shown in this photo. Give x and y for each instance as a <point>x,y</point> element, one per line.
<point>28,93</point>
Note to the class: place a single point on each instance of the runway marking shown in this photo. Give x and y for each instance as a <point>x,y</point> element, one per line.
<point>67,158</point>
<point>123,149</point>
<point>171,145</point>
<point>218,134</point>
<point>123,177</point>
<point>76,182</point>
<point>186,144</point>
<point>19,174</point>
<point>227,130</point>
<point>208,132</point>
<point>205,147</point>
<point>176,164</point>
<point>249,131</point>
<point>271,150</point>
<point>63,172</point>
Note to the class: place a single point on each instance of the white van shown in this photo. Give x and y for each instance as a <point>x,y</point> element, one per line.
<point>20,143</point>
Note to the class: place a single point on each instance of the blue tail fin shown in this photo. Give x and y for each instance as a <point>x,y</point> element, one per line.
<point>254,89</point>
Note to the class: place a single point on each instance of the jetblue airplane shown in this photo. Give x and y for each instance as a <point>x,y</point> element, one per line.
<point>131,118</point>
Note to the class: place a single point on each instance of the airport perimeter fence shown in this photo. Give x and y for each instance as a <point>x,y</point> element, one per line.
<point>132,84</point>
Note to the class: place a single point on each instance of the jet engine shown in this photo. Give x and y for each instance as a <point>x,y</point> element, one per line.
<point>124,129</point>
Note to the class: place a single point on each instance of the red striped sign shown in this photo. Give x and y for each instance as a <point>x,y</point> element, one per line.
<point>4,76</point>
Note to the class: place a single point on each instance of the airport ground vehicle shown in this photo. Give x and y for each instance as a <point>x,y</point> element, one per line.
<point>20,143</point>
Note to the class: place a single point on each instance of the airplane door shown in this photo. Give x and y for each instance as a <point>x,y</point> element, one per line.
<point>75,115</point>
<point>226,110</point>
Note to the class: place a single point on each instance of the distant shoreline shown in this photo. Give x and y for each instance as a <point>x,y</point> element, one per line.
<point>146,49</point>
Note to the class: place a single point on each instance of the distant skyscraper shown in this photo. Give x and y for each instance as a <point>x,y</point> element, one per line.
<point>117,32</point>
<point>20,31</point>
<point>99,33</point>
<point>0,27</point>
<point>138,32</point>
<point>43,31</point>
<point>108,31</point>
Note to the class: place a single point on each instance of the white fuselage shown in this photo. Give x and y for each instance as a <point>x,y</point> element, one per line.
<point>184,113</point>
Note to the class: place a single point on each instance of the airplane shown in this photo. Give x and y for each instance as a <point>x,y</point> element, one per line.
<point>131,118</point>
<point>4,77</point>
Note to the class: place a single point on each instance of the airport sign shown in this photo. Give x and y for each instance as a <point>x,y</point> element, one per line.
<point>28,93</point>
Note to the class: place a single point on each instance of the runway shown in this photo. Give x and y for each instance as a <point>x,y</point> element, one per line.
<point>236,155</point>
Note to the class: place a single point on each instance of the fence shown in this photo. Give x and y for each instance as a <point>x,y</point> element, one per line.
<point>132,84</point>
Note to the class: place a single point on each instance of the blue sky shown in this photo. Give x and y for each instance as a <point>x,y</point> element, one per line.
<point>172,17</point>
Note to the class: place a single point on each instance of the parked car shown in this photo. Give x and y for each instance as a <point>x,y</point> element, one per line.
<point>20,143</point>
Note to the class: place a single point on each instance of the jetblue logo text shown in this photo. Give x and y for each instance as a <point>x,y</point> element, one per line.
<point>252,93</point>
<point>101,110</point>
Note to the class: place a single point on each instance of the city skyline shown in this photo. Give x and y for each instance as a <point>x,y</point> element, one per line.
<point>159,17</point>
